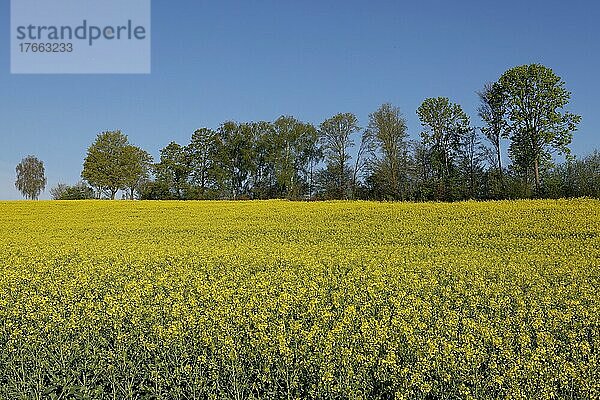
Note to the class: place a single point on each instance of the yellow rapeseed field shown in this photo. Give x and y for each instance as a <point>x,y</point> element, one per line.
<point>284,300</point>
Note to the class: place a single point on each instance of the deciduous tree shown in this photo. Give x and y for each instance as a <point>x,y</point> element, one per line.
<point>492,110</point>
<point>173,170</point>
<point>388,150</point>
<point>31,177</point>
<point>136,169</point>
<point>535,98</point>
<point>292,144</point>
<point>104,165</point>
<point>335,136</point>
<point>445,124</point>
<point>202,151</point>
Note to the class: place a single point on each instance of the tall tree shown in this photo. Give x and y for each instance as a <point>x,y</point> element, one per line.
<point>361,162</point>
<point>292,144</point>
<point>423,173</point>
<point>31,178</point>
<point>202,151</point>
<point>235,156</point>
<point>104,164</point>
<point>492,109</point>
<point>335,136</point>
<point>173,170</point>
<point>136,169</point>
<point>313,155</point>
<point>538,126</point>
<point>445,124</point>
<point>388,139</point>
<point>470,157</point>
<point>261,183</point>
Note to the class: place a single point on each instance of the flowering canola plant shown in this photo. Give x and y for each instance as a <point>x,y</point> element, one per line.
<point>276,299</point>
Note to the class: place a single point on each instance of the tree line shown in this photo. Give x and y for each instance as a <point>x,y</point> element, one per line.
<point>524,119</point>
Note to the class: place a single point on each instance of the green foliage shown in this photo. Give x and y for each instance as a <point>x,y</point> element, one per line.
<point>31,178</point>
<point>335,135</point>
<point>112,163</point>
<point>387,145</point>
<point>292,143</point>
<point>327,183</point>
<point>202,153</point>
<point>104,163</point>
<point>80,191</point>
<point>445,125</point>
<point>492,110</point>
<point>235,151</point>
<point>534,99</point>
<point>173,170</point>
<point>470,165</point>
<point>574,178</point>
<point>291,159</point>
<point>240,160</point>
<point>136,169</point>
<point>155,190</point>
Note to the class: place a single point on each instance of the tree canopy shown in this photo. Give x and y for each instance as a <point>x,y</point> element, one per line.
<point>534,98</point>
<point>112,163</point>
<point>445,125</point>
<point>523,117</point>
<point>31,177</point>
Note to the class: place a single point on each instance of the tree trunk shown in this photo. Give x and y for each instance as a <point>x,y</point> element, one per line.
<point>499,155</point>
<point>342,177</point>
<point>202,182</point>
<point>310,185</point>
<point>537,177</point>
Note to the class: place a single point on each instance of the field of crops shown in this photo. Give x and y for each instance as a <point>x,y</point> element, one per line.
<point>280,300</point>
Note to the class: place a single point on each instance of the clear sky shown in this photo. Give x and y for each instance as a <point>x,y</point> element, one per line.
<point>256,60</point>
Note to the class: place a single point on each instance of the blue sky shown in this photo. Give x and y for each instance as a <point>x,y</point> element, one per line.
<point>257,60</point>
